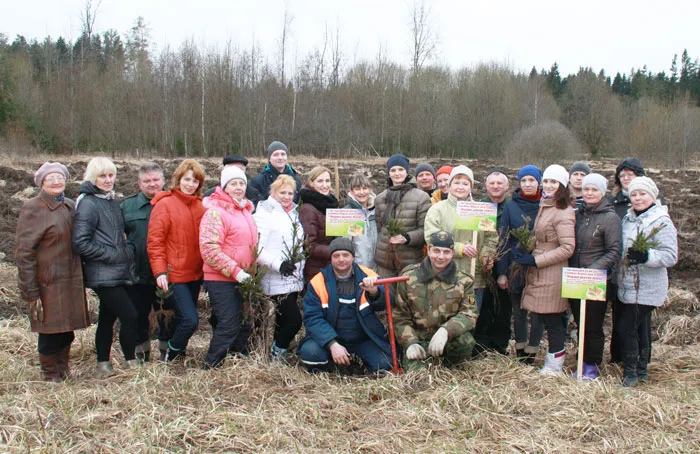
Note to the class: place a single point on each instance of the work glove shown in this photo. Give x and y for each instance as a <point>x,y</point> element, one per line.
<point>242,276</point>
<point>415,351</point>
<point>523,258</point>
<point>637,257</point>
<point>36,310</point>
<point>287,268</point>
<point>437,343</point>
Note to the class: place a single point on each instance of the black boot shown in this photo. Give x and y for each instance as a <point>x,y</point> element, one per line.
<point>630,377</point>
<point>643,364</point>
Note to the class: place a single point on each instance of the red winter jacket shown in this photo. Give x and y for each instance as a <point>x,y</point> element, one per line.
<point>173,236</point>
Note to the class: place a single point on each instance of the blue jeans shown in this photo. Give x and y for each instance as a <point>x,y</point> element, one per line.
<point>314,356</point>
<point>226,303</point>
<point>520,325</point>
<point>479,292</point>
<point>184,301</point>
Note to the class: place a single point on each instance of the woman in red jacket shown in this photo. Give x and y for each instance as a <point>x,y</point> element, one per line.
<point>227,240</point>
<point>173,250</point>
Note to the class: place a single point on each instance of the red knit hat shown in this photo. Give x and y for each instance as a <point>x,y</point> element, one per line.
<point>444,169</point>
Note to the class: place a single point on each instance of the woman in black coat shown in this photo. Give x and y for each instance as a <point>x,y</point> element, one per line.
<point>98,237</point>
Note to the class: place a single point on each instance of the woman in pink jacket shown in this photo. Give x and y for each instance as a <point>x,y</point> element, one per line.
<point>227,240</point>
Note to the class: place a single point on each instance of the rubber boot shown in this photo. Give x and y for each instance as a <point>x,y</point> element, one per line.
<point>589,372</point>
<point>63,358</point>
<point>643,365</point>
<point>630,376</point>
<point>173,354</point>
<point>104,369</point>
<point>49,368</point>
<point>553,363</point>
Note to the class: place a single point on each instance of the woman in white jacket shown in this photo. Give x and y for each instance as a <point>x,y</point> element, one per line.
<point>281,239</point>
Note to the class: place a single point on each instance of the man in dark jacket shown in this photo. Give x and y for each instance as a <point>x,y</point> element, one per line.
<point>277,153</point>
<point>339,315</point>
<point>239,161</point>
<point>137,212</point>
<point>492,329</point>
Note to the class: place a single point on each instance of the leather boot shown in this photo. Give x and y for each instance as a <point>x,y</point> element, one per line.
<point>63,358</point>
<point>643,365</point>
<point>49,368</point>
<point>553,363</point>
<point>630,376</point>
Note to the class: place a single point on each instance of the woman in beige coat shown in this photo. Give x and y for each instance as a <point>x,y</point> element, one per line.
<point>555,231</point>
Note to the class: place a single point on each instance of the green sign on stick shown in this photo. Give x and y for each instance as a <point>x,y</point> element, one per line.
<point>477,216</point>
<point>584,284</point>
<point>345,222</point>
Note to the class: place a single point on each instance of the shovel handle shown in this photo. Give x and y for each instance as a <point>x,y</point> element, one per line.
<point>387,294</point>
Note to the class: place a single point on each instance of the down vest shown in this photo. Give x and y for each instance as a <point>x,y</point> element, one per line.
<point>653,278</point>
<point>227,237</point>
<point>555,235</point>
<point>173,236</point>
<point>443,216</point>
<point>98,237</point>
<point>411,211</point>
<point>278,230</point>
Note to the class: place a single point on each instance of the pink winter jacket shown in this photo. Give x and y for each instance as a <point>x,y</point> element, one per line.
<point>227,237</point>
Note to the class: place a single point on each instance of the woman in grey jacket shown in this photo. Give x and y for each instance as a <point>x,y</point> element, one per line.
<point>597,247</point>
<point>642,279</point>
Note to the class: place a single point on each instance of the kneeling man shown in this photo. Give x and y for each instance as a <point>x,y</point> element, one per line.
<point>436,308</point>
<point>339,315</point>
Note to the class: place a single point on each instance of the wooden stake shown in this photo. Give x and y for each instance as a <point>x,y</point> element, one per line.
<point>581,338</point>
<point>337,180</point>
<point>475,234</point>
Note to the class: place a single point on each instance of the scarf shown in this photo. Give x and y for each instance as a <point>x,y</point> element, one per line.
<point>393,198</point>
<point>536,196</point>
<point>58,198</point>
<point>317,200</point>
<point>426,273</point>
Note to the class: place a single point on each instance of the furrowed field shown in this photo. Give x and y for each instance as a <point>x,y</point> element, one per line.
<point>490,405</point>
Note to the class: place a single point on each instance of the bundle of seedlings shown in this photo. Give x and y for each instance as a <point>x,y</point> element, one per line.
<point>484,259</point>
<point>642,242</point>
<point>258,309</point>
<point>161,313</point>
<point>526,240</point>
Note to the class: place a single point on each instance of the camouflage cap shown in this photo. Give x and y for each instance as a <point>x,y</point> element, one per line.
<point>442,238</point>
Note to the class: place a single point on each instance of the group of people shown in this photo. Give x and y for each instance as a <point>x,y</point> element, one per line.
<point>463,291</point>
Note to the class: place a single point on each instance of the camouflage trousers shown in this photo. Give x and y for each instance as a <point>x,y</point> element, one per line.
<point>457,351</point>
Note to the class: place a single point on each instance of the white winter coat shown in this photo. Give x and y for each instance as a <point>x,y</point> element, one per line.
<point>276,227</point>
<point>653,278</point>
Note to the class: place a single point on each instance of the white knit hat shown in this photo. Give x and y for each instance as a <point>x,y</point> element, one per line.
<point>596,180</point>
<point>462,170</point>
<point>557,173</point>
<point>231,173</point>
<point>644,184</point>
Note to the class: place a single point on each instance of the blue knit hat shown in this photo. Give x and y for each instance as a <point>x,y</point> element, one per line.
<point>398,160</point>
<point>530,170</point>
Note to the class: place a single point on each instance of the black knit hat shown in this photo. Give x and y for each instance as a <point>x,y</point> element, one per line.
<point>233,158</point>
<point>442,238</point>
<point>341,244</point>
<point>633,164</point>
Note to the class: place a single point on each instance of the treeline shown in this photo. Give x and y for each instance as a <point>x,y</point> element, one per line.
<point>104,92</point>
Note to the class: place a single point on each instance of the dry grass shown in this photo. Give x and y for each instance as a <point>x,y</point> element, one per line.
<point>492,405</point>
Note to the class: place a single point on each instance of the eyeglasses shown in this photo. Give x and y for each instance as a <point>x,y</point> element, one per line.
<point>55,178</point>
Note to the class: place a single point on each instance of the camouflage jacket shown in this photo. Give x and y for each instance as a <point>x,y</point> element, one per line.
<point>427,302</point>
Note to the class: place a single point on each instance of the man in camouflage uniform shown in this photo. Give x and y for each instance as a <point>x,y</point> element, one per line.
<point>436,308</point>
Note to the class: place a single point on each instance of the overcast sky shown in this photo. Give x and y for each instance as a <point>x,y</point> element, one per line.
<point>616,35</point>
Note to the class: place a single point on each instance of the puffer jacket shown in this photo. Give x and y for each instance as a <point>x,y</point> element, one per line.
<point>598,238</point>
<point>262,181</point>
<point>365,245</point>
<point>228,236</point>
<point>173,236</point>
<point>98,237</point>
<point>443,216</point>
<point>555,232</point>
<point>411,211</point>
<point>47,267</point>
<point>653,278</point>
<point>514,213</point>
<point>279,230</point>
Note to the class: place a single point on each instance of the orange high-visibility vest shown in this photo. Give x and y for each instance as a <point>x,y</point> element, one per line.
<point>318,283</point>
